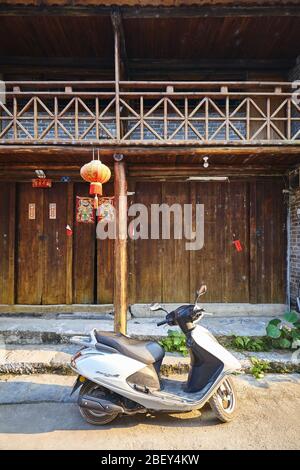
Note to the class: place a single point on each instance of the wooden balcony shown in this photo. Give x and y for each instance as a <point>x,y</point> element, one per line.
<point>150,114</point>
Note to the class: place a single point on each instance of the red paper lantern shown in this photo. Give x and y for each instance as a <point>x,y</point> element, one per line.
<point>96,173</point>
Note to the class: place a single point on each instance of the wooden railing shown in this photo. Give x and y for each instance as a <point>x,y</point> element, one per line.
<point>150,113</point>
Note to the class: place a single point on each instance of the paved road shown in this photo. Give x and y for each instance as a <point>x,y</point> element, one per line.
<point>269,418</point>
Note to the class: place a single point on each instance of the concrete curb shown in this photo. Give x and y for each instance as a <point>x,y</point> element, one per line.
<point>56,360</point>
<point>58,331</point>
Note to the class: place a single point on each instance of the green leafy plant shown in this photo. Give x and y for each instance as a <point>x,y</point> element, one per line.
<point>285,334</point>
<point>249,344</point>
<point>259,367</point>
<point>175,342</point>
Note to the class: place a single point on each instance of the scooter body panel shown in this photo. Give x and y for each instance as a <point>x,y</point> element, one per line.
<point>106,369</point>
<point>207,341</point>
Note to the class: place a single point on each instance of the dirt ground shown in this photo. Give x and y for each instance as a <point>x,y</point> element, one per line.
<point>269,418</point>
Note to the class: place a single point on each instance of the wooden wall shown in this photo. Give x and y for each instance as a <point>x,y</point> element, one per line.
<point>252,212</point>
<point>39,264</point>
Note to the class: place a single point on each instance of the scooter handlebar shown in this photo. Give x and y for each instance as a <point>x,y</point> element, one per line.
<point>163,322</point>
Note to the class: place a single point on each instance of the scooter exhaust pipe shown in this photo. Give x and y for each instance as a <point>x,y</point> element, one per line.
<point>97,404</point>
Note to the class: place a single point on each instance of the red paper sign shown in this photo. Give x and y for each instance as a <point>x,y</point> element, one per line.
<point>238,245</point>
<point>85,210</point>
<point>41,183</point>
<point>69,231</point>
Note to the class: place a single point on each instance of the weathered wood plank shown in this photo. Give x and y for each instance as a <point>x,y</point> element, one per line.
<point>158,11</point>
<point>175,258</point>
<point>69,247</point>
<point>83,253</point>
<point>30,233</point>
<point>148,254</point>
<point>55,245</point>
<point>7,242</point>
<point>105,262</point>
<point>269,242</point>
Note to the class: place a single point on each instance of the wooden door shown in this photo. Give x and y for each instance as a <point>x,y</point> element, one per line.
<point>30,244</point>
<point>251,213</point>
<point>7,242</point>
<point>83,255</point>
<point>147,280</point>
<point>41,245</point>
<point>268,241</point>
<point>175,257</point>
<point>207,265</point>
<point>55,245</point>
<point>105,264</point>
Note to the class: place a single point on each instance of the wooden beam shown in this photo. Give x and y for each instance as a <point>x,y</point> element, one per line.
<point>231,69</point>
<point>118,28</point>
<point>26,152</point>
<point>210,64</point>
<point>220,11</point>
<point>121,66</point>
<point>121,270</point>
<point>76,62</point>
<point>277,9</point>
<point>142,64</point>
<point>118,65</point>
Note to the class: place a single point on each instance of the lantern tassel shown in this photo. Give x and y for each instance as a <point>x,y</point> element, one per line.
<point>96,202</point>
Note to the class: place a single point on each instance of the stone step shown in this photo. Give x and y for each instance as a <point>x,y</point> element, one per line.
<point>28,330</point>
<point>55,359</point>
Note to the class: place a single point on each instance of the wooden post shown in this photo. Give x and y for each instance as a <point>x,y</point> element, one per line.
<point>117,84</point>
<point>120,285</point>
<point>121,68</point>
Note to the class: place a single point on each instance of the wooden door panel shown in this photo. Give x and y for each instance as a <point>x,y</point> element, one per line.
<point>207,264</point>
<point>268,241</point>
<point>148,254</point>
<point>175,257</point>
<point>29,263</point>
<point>236,272</point>
<point>7,242</point>
<point>55,243</point>
<point>105,263</point>
<point>84,236</point>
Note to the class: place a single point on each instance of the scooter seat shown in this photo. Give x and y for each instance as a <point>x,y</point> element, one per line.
<point>147,352</point>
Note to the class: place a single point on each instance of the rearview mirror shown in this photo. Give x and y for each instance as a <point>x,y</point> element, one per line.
<point>155,306</point>
<point>202,290</point>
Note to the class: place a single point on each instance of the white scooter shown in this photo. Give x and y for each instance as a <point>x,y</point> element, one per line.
<point>119,375</point>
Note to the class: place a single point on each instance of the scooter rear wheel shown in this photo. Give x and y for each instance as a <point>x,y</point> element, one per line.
<point>94,417</point>
<point>224,401</point>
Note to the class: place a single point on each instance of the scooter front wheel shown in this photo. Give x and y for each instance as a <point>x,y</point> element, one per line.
<point>95,417</point>
<point>224,401</point>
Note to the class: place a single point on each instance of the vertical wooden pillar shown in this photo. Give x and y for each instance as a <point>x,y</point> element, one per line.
<point>121,67</point>
<point>121,271</point>
<point>117,79</point>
